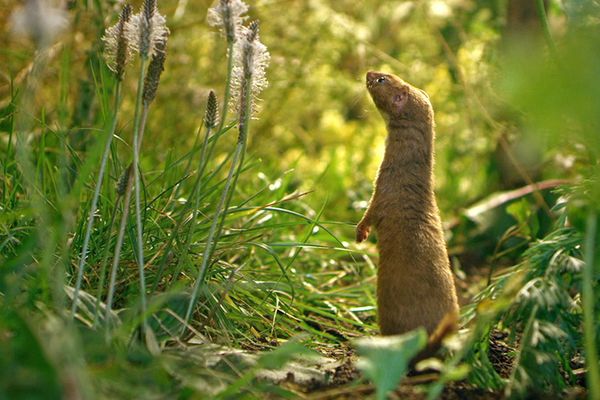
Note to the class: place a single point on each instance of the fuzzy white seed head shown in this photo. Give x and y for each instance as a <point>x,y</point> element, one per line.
<point>228,16</point>
<point>251,59</point>
<point>117,51</point>
<point>39,20</point>
<point>147,28</point>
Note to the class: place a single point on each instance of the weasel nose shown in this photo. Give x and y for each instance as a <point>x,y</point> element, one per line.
<point>371,75</point>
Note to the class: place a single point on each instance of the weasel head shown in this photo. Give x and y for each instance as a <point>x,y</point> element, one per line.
<point>397,100</point>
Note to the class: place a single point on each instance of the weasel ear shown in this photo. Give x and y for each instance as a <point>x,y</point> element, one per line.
<point>400,98</point>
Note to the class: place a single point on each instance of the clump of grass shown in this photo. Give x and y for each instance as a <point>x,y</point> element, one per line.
<point>537,302</point>
<point>144,33</point>
<point>197,230</point>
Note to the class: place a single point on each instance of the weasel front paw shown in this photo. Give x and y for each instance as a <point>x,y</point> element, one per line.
<point>362,232</point>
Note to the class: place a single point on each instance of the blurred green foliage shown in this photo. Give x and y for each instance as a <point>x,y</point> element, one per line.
<point>317,117</point>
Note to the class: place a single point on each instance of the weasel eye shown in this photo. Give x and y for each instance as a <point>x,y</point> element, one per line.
<point>381,79</point>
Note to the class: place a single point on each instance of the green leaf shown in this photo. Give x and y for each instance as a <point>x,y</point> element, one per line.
<point>385,360</point>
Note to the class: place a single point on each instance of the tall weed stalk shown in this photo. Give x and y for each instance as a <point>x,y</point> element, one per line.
<point>248,71</point>
<point>148,35</point>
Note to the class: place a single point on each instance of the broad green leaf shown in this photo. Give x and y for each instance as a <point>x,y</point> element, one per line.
<point>385,360</point>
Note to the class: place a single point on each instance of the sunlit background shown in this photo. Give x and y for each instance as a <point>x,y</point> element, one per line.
<point>317,122</point>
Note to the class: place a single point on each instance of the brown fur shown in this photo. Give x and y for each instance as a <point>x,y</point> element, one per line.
<point>415,286</point>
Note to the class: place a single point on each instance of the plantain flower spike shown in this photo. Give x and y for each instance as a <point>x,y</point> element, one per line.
<point>155,68</point>
<point>147,30</point>
<point>249,76</point>
<point>227,15</point>
<point>116,47</point>
<point>124,180</point>
<point>211,118</point>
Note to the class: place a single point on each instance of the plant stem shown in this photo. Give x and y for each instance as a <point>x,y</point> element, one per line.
<point>589,314</point>
<point>145,110</point>
<point>139,122</point>
<point>212,236</point>
<point>221,210</point>
<point>541,10</point>
<point>196,190</point>
<point>94,205</point>
<point>227,94</point>
<point>105,264</point>
<point>117,257</point>
<point>242,140</point>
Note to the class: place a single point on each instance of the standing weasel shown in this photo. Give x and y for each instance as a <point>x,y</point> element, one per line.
<point>415,286</point>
